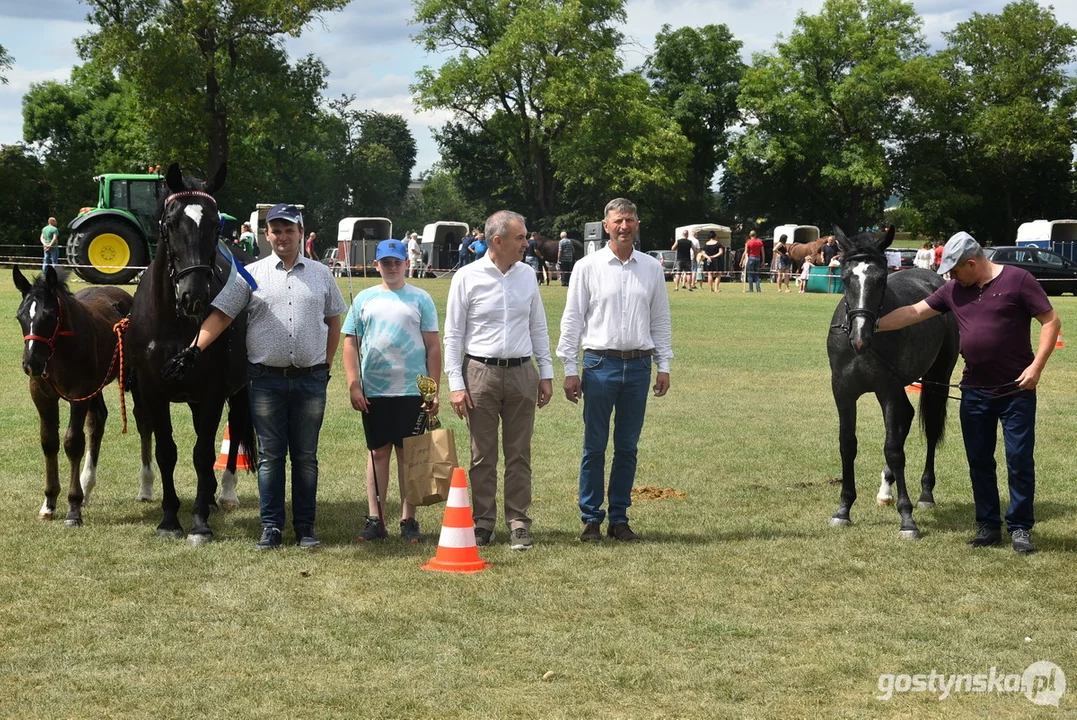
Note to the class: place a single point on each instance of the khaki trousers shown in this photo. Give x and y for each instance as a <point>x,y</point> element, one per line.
<point>508,395</point>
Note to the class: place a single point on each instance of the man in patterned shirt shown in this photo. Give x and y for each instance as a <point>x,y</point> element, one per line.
<point>396,325</point>
<point>293,329</point>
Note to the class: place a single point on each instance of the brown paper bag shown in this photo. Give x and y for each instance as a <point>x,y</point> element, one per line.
<point>429,460</point>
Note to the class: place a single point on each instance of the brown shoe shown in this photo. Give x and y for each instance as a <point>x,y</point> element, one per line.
<point>592,532</point>
<point>622,532</point>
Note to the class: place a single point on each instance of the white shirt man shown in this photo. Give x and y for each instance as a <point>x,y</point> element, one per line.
<point>488,360</point>
<point>415,255</point>
<point>618,312</point>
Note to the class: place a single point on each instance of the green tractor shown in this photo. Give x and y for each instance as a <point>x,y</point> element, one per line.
<point>110,244</point>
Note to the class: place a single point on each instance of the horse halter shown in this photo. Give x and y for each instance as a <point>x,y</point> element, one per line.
<point>57,332</point>
<point>173,273</point>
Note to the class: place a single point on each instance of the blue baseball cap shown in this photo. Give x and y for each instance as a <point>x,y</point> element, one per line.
<point>284,211</point>
<point>391,249</point>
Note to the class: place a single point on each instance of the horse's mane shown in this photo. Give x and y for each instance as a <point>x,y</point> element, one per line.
<point>61,281</point>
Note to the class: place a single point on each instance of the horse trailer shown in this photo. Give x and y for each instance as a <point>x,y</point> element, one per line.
<point>439,239</point>
<point>357,244</point>
<point>1057,235</point>
<point>796,233</point>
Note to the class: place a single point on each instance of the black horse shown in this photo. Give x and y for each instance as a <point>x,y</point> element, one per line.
<point>171,301</point>
<point>885,363</point>
<point>70,352</point>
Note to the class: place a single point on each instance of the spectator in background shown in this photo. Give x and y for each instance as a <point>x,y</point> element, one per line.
<point>805,273</point>
<point>415,255</point>
<point>50,236</point>
<point>713,251</point>
<point>830,249</point>
<point>246,241</point>
<point>465,251</point>
<point>782,263</point>
<point>564,258</point>
<point>938,255</point>
<point>532,259</point>
<point>893,259</point>
<point>753,253</point>
<point>309,246</point>
<point>925,257</point>
<point>682,266</point>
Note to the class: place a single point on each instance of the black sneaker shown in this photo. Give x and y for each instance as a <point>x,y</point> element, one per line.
<point>374,530</point>
<point>986,535</point>
<point>304,537</point>
<point>1022,542</point>
<point>592,532</point>
<point>483,536</point>
<point>409,531</point>
<point>270,539</point>
<point>622,532</point>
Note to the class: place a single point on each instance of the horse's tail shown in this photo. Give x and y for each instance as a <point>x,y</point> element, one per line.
<point>933,400</point>
<point>240,425</point>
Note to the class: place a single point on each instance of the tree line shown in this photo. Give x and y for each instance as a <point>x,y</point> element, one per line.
<point>849,109</point>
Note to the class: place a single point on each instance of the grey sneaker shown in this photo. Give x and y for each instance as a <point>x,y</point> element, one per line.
<point>1022,542</point>
<point>521,539</point>
<point>483,536</point>
<point>374,530</point>
<point>304,538</point>
<point>270,539</point>
<point>986,535</point>
<point>409,531</point>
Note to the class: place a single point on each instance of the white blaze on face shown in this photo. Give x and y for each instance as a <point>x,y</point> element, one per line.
<point>33,314</point>
<point>860,271</point>
<point>195,213</point>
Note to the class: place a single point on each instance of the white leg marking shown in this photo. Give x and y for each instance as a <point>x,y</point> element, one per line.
<point>88,478</point>
<point>44,513</point>
<point>145,490</point>
<point>886,495</point>
<point>228,500</point>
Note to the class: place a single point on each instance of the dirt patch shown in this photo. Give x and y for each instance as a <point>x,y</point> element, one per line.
<point>650,492</point>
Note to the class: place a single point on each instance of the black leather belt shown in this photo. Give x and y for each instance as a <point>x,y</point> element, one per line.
<point>623,354</point>
<point>291,371</point>
<point>501,362</point>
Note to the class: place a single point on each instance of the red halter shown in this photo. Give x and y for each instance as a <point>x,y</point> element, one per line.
<point>55,333</point>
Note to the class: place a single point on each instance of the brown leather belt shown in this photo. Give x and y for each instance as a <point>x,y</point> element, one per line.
<point>623,354</point>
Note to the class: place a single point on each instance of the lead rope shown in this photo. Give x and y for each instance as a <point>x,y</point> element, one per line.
<point>119,328</point>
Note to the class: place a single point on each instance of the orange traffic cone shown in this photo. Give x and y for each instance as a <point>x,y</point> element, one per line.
<point>457,551</point>
<point>243,460</point>
<point>1058,342</point>
<point>914,388</point>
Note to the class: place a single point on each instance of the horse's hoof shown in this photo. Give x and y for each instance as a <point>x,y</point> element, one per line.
<point>840,522</point>
<point>73,522</point>
<point>925,505</point>
<point>909,534</point>
<point>883,501</point>
<point>144,498</point>
<point>170,533</point>
<point>228,505</point>
<point>46,515</point>
<point>199,539</point>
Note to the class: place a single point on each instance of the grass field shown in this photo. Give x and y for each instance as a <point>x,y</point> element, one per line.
<point>742,602</point>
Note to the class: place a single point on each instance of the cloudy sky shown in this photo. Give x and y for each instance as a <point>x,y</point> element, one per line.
<point>369,51</point>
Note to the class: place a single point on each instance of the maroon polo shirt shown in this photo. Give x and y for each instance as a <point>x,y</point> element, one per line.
<point>995,322</point>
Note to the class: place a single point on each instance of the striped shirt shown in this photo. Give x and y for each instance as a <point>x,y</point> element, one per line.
<point>286,320</point>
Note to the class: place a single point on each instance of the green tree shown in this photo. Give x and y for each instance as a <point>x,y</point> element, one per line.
<point>440,198</point>
<point>24,204</point>
<point>696,73</point>
<point>530,87</point>
<point>190,62</point>
<point>824,110</point>
<point>989,143</point>
<point>5,64</point>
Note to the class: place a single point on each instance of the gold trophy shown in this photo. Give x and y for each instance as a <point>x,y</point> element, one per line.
<point>428,389</point>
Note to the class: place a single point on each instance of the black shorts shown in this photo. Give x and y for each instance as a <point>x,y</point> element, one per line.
<point>682,266</point>
<point>391,419</point>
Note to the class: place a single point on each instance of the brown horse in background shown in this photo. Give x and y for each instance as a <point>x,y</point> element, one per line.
<point>546,250</point>
<point>799,252</point>
<point>71,352</point>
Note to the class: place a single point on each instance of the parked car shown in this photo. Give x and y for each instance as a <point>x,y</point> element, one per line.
<point>907,257</point>
<point>667,258</point>
<point>1056,274</point>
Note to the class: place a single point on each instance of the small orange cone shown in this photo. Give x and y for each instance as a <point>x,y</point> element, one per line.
<point>457,551</point>
<point>1058,342</point>
<point>914,388</point>
<point>243,460</point>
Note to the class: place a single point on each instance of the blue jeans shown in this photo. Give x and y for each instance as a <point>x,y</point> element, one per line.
<point>611,384</point>
<point>52,257</point>
<point>980,417</point>
<point>753,274</point>
<point>287,415</point>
